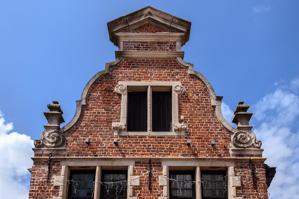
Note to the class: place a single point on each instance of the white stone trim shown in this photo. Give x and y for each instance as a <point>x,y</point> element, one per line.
<point>158,36</point>
<point>61,181</point>
<point>177,128</point>
<point>130,187</point>
<point>149,109</point>
<point>233,181</point>
<point>115,29</point>
<point>99,164</point>
<point>97,187</point>
<point>198,183</point>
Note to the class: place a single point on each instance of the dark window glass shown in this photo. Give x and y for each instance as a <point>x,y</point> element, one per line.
<point>137,111</point>
<point>114,185</point>
<point>182,185</point>
<point>161,111</point>
<point>214,185</point>
<point>81,184</point>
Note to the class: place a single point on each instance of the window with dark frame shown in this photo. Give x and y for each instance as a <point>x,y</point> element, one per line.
<point>81,184</point>
<point>137,111</point>
<point>161,111</point>
<point>114,184</point>
<point>214,185</point>
<point>182,184</point>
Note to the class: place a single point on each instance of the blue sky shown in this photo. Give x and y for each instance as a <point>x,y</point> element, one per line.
<point>248,49</point>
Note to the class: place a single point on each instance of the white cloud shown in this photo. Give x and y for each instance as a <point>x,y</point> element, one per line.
<point>15,150</point>
<point>295,84</point>
<point>277,114</point>
<point>227,112</point>
<point>261,9</point>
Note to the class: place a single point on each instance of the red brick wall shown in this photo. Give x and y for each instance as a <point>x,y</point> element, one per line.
<point>103,108</point>
<point>141,169</point>
<point>253,179</point>
<point>40,186</point>
<point>149,46</point>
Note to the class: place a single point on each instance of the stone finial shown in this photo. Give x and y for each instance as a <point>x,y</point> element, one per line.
<point>54,116</point>
<point>242,117</point>
<point>244,138</point>
<point>52,135</point>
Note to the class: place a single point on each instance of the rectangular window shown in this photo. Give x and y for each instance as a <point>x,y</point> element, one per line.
<point>137,111</point>
<point>114,184</point>
<point>161,111</point>
<point>182,184</point>
<point>81,184</point>
<point>214,184</point>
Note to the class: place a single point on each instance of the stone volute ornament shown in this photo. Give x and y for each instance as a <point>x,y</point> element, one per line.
<point>244,137</point>
<point>120,89</point>
<point>52,136</point>
<point>179,89</point>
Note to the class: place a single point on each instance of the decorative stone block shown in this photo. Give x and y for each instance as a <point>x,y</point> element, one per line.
<point>236,181</point>
<point>134,180</point>
<point>162,181</point>
<point>58,180</point>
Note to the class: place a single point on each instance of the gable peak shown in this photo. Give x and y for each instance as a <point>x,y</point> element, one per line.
<point>148,20</point>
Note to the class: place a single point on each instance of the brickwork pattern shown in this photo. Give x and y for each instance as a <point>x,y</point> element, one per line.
<point>42,187</point>
<point>103,108</point>
<point>149,46</point>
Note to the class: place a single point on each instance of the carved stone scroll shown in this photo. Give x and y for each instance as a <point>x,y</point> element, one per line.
<point>52,136</point>
<point>180,127</point>
<point>245,139</point>
<point>120,89</point>
<point>179,89</point>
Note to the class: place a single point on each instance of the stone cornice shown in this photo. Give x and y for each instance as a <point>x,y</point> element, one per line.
<point>160,36</point>
<point>173,158</point>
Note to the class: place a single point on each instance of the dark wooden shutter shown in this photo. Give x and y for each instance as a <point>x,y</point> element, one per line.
<point>214,185</point>
<point>137,111</point>
<point>161,111</point>
<point>81,185</point>
<point>114,184</point>
<point>182,185</point>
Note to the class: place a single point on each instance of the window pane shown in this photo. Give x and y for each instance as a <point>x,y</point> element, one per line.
<point>114,185</point>
<point>182,185</point>
<point>137,111</point>
<point>161,104</point>
<point>214,185</point>
<point>81,184</point>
